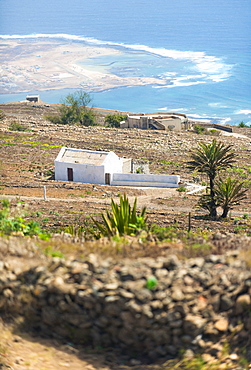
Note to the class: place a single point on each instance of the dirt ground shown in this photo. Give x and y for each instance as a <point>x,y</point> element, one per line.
<point>26,168</point>
<point>21,351</point>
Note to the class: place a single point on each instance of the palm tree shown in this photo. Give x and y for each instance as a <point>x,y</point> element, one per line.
<point>229,192</point>
<point>211,159</point>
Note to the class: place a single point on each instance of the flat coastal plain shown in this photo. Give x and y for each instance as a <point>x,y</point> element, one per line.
<point>33,64</point>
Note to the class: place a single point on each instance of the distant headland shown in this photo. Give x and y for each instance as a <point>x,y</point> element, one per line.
<point>46,64</point>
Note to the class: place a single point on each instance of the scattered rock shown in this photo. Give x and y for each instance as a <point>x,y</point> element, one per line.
<point>93,303</point>
<point>243,302</point>
<point>221,325</point>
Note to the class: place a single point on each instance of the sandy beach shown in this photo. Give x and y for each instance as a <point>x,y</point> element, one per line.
<point>27,65</point>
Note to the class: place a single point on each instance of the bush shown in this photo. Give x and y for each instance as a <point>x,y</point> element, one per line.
<point>15,223</point>
<point>182,189</point>
<point>215,132</point>
<point>18,127</point>
<point>242,124</point>
<point>199,129</point>
<point>113,120</point>
<point>74,110</point>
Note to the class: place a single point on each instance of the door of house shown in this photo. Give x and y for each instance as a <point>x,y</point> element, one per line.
<point>107,178</point>
<point>70,174</point>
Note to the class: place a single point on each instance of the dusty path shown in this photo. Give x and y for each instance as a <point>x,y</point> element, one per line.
<point>152,199</point>
<point>21,351</point>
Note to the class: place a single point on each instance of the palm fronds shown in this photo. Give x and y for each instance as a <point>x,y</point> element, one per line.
<point>229,192</point>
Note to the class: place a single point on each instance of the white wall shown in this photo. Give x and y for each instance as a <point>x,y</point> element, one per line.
<point>151,180</point>
<point>81,172</point>
<point>113,163</point>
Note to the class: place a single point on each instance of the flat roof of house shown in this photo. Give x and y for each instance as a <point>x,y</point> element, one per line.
<point>83,157</point>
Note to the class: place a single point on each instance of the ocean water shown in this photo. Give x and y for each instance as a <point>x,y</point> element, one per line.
<point>201,49</point>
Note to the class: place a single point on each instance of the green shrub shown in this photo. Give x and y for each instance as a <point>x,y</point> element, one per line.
<point>15,223</point>
<point>170,163</point>
<point>242,124</point>
<point>74,110</point>
<point>18,127</point>
<point>181,189</point>
<point>215,132</point>
<point>49,251</point>
<point>122,220</point>
<point>164,233</point>
<point>199,129</point>
<point>113,120</point>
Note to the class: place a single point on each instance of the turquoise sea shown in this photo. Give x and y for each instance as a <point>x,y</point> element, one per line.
<point>201,49</point>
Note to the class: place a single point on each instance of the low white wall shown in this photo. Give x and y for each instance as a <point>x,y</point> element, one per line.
<point>131,179</point>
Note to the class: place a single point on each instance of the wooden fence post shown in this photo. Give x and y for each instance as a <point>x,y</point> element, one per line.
<point>45,193</point>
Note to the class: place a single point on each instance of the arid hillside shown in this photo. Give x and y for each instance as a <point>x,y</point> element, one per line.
<point>27,165</point>
<point>29,145</point>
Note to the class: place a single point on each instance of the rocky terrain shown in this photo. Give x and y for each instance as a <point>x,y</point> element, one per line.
<point>208,288</point>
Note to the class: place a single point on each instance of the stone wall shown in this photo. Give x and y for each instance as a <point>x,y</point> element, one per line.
<point>145,307</point>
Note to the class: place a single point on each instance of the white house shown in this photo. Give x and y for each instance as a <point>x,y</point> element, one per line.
<point>87,166</point>
<point>105,168</point>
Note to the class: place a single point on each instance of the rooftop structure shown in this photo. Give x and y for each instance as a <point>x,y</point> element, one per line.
<point>33,98</point>
<point>156,121</point>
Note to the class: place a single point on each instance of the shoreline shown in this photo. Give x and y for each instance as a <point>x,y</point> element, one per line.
<point>53,67</point>
<point>28,65</point>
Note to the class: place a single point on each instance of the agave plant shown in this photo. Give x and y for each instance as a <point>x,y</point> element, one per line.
<point>122,220</point>
<point>229,192</point>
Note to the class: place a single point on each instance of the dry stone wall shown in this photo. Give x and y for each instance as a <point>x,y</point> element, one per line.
<point>193,304</point>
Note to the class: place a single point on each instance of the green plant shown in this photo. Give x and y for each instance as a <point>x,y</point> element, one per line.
<point>151,283</point>
<point>49,173</point>
<point>122,220</point>
<point>214,132</point>
<point>18,127</point>
<point>5,203</point>
<point>199,129</point>
<point>75,110</point>
<point>163,233</point>
<point>181,189</point>
<point>170,163</point>
<point>139,170</point>
<point>229,192</point>
<point>74,230</point>
<point>211,159</point>
<point>15,223</point>
<point>53,253</point>
<point>113,120</point>
<point>242,124</point>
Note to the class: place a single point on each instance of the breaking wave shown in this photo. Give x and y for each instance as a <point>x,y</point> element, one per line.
<point>209,68</point>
